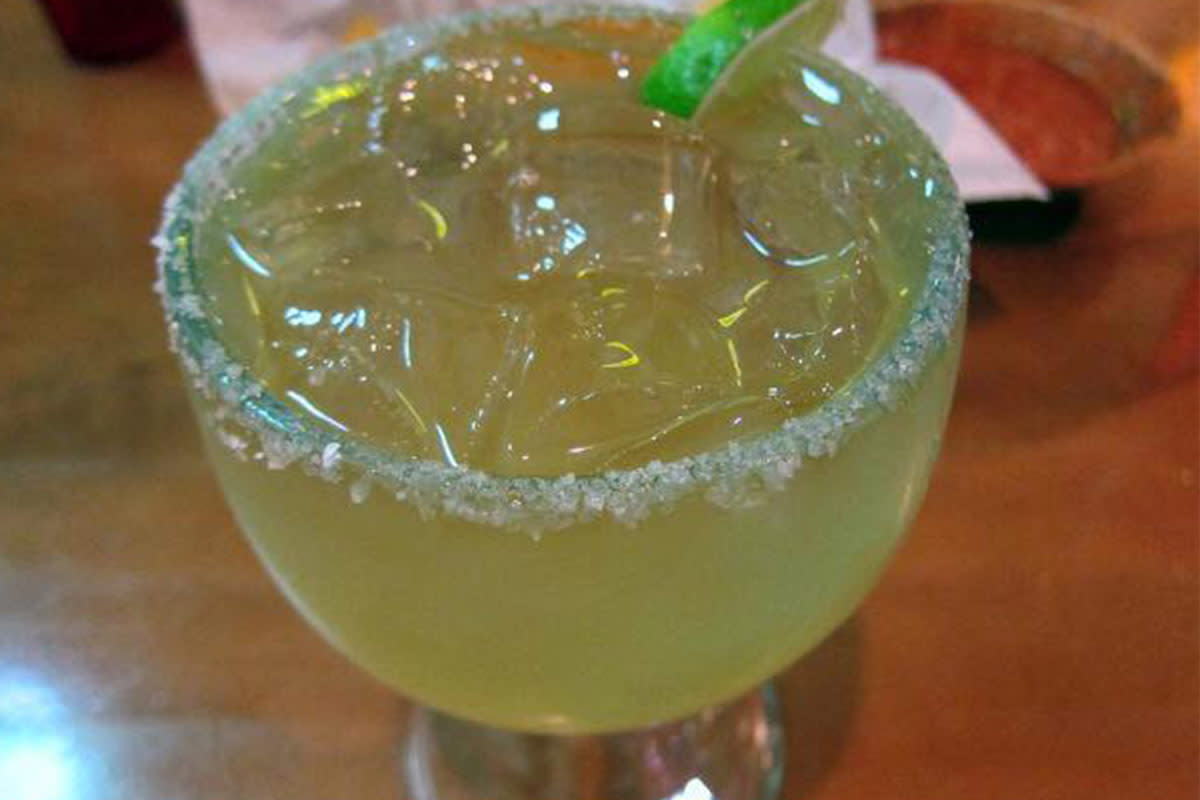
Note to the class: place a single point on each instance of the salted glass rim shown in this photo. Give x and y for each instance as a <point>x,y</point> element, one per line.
<point>727,473</point>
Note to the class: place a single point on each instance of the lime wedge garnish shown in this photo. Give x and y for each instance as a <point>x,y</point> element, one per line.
<point>679,81</point>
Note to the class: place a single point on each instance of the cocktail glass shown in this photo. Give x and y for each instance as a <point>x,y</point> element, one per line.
<point>595,635</point>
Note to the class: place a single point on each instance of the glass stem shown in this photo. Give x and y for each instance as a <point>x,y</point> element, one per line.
<point>729,752</point>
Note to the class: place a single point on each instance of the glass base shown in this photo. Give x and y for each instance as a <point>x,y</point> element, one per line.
<point>730,752</point>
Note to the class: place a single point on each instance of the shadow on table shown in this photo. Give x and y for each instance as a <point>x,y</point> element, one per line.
<point>820,695</point>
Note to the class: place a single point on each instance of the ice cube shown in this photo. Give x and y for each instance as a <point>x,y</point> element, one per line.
<point>423,373</point>
<point>620,366</point>
<point>808,305</point>
<point>321,218</point>
<point>804,333</point>
<point>609,187</point>
<point>797,210</point>
<point>370,222</point>
<point>447,113</point>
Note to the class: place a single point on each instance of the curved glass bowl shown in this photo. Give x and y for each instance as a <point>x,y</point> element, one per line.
<point>1133,84</point>
<point>572,604</point>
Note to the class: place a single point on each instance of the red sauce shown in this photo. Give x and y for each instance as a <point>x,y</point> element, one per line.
<point>1061,128</point>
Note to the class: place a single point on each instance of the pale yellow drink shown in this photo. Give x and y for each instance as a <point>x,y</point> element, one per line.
<point>481,268</point>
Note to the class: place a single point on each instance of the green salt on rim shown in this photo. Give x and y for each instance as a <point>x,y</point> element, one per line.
<point>678,82</point>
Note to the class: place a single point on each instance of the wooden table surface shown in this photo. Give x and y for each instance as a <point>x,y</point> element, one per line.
<point>1035,638</point>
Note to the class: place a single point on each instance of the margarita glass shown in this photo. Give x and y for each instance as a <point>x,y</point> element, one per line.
<point>557,585</point>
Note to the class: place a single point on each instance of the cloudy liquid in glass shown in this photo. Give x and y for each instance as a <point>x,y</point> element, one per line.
<point>493,256</point>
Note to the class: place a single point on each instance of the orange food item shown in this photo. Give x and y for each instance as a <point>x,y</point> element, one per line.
<point>1057,124</point>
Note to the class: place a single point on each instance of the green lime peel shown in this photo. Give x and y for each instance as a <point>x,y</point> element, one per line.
<point>678,82</point>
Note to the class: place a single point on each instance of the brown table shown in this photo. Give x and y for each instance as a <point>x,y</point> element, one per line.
<point>1036,637</point>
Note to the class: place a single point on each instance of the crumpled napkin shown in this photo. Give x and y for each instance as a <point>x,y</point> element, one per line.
<point>243,47</point>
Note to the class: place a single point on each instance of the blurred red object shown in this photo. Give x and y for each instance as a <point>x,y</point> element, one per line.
<point>109,31</point>
<point>1058,125</point>
<point>1076,100</point>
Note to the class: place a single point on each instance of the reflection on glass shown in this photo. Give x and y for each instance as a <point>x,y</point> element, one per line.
<point>35,762</point>
<point>820,87</point>
<point>693,790</point>
<point>28,701</point>
<point>36,768</point>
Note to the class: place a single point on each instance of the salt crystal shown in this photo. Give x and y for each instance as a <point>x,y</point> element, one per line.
<point>359,489</point>
<point>330,457</point>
